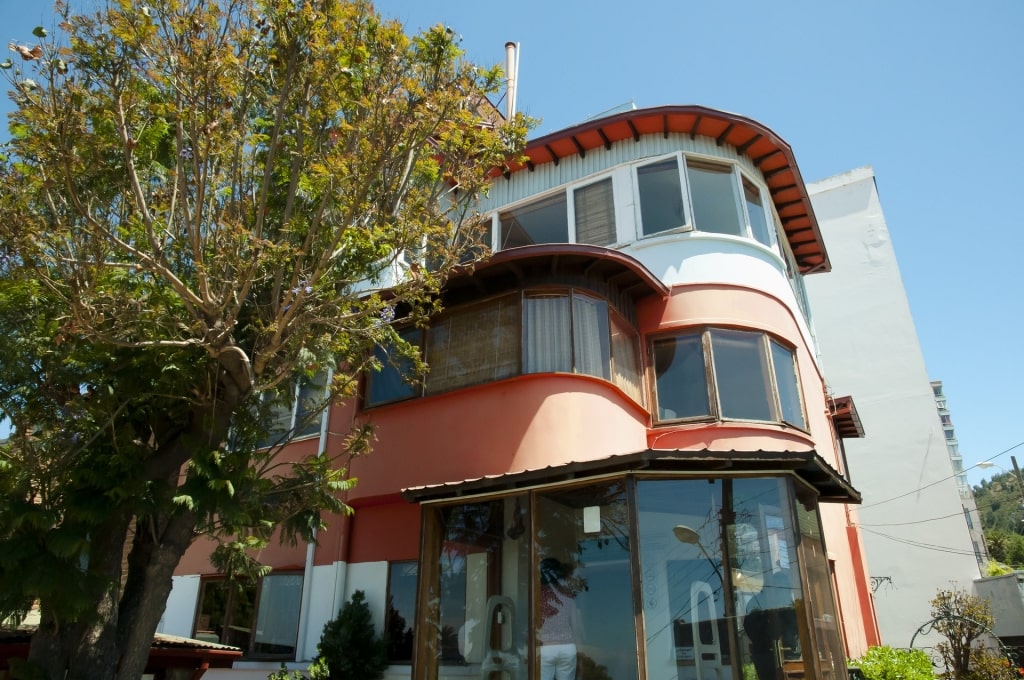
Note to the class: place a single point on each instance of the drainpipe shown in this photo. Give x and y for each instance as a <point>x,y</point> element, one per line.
<point>307,572</point>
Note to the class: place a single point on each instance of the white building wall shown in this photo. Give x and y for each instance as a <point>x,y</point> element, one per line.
<point>915,534</point>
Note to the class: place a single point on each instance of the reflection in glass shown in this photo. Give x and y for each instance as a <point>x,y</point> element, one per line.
<point>661,196</point>
<point>682,387</point>
<point>476,589</point>
<point>583,536</point>
<point>712,191</point>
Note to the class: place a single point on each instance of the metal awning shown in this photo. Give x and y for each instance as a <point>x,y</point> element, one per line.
<point>831,486</point>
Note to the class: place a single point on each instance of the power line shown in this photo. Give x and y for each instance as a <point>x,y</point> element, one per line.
<point>925,546</point>
<point>940,481</point>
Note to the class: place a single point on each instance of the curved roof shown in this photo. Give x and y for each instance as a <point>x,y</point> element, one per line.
<point>512,268</point>
<point>766,150</point>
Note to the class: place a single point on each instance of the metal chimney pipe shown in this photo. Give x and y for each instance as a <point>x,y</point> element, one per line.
<point>511,74</point>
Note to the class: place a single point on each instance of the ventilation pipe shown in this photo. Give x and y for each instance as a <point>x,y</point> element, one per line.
<point>511,76</point>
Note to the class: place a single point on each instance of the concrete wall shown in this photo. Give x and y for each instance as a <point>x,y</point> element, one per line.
<point>914,530</point>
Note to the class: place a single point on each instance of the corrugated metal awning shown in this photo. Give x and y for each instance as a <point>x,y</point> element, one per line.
<point>831,486</point>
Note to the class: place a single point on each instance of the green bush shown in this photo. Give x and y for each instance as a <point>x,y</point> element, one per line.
<point>888,663</point>
<point>350,648</point>
<point>283,673</point>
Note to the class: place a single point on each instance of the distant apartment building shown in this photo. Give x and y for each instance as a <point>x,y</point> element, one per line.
<point>973,519</point>
<point>916,518</point>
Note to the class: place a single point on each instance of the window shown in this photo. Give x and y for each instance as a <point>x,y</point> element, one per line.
<point>594,207</point>
<point>261,618</point>
<point>562,331</point>
<point>713,194</point>
<point>473,344</point>
<point>950,434</point>
<point>759,222</point>
<point>401,611</point>
<point>566,333</point>
<point>544,221</point>
<point>302,415</point>
<point>661,197</point>
<point>395,380</point>
<point>728,374</point>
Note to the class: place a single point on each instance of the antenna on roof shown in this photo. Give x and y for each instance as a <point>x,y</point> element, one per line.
<point>511,76</point>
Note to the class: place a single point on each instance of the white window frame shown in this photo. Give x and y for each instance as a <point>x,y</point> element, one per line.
<point>687,225</point>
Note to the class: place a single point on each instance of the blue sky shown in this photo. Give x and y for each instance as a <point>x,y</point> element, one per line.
<point>924,92</point>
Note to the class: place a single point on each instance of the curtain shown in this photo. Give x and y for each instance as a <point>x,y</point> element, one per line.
<point>546,330</point>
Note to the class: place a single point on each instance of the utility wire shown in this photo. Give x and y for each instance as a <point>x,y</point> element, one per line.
<point>926,546</point>
<point>940,481</point>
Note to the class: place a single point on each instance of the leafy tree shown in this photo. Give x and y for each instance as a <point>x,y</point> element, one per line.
<point>203,202</point>
<point>350,648</point>
<point>965,620</point>
<point>1000,504</point>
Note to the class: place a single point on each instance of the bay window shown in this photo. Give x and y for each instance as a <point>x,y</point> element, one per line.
<point>726,374</point>
<point>537,331</point>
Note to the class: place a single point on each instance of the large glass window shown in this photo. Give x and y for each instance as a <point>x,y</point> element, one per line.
<point>594,206</point>
<point>261,618</point>
<point>713,195</point>
<point>399,624</point>
<point>540,332</point>
<point>730,575</point>
<point>476,576</point>
<point>543,221</point>
<point>584,606</point>
<point>661,196</point>
<point>728,374</point>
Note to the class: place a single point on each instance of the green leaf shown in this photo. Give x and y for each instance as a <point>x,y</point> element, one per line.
<point>39,32</point>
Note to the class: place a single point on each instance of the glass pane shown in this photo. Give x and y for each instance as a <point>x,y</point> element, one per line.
<point>546,334</point>
<point>595,213</point>
<point>741,375</point>
<point>756,212</point>
<point>225,613</point>
<point>713,197</point>
<point>789,388</point>
<point>661,197</point>
<point>277,622</point>
<point>478,602</point>
<point>590,337</point>
<point>401,610</point>
<point>626,359</point>
<point>681,381</point>
<point>391,383</point>
<point>473,345</point>
<point>309,408</point>
<point>766,580</point>
<point>819,603</point>
<point>584,608</point>
<point>686,625</point>
<point>545,221</point>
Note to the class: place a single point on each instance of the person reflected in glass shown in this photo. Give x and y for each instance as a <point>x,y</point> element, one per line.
<point>559,621</point>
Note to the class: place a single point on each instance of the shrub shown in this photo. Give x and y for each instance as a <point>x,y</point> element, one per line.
<point>350,648</point>
<point>888,663</point>
<point>283,673</point>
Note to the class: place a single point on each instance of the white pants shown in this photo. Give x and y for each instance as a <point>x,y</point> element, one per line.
<point>558,662</point>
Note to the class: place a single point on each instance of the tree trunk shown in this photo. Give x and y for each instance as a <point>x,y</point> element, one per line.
<point>151,565</point>
<point>50,647</point>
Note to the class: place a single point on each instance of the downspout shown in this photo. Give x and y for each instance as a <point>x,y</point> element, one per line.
<point>307,572</point>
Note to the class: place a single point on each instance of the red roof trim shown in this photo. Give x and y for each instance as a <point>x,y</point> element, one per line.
<point>769,152</point>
